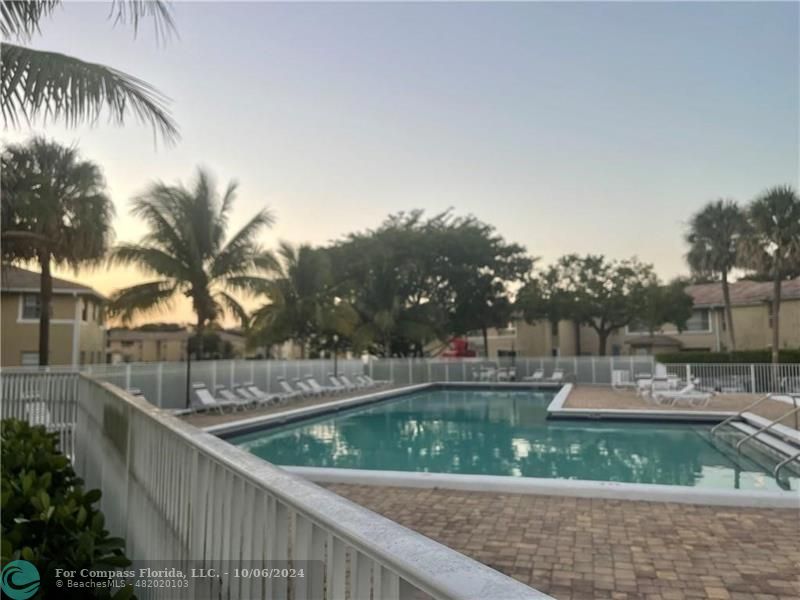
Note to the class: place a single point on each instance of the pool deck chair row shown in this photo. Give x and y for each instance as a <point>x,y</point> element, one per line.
<point>557,376</point>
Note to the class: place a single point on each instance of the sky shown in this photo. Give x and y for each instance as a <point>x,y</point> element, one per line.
<point>570,127</point>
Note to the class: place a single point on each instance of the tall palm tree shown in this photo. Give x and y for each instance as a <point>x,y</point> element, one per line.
<point>186,250</point>
<point>35,83</point>
<point>772,245</point>
<point>301,303</point>
<point>714,235</point>
<point>55,212</point>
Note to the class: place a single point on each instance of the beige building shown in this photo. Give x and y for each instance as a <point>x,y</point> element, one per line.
<point>167,345</point>
<point>705,331</point>
<point>77,331</point>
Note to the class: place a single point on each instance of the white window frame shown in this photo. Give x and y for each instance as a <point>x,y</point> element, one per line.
<point>27,320</point>
<point>674,331</point>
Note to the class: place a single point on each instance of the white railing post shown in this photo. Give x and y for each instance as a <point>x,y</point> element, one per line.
<point>463,370</point>
<point>391,369</point>
<point>688,373</point>
<point>232,374</point>
<point>214,377</point>
<point>128,376</point>
<point>752,379</point>
<point>594,372</point>
<point>410,372</point>
<point>159,382</point>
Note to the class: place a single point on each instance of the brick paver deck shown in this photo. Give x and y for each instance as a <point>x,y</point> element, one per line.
<point>587,549</point>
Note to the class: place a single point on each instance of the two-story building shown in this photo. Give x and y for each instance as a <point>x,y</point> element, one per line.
<point>77,329</point>
<point>706,330</point>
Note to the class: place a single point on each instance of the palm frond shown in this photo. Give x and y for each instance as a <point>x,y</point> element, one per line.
<point>231,305</point>
<point>20,19</point>
<point>241,250</point>
<point>151,260</point>
<point>133,11</point>
<point>50,85</point>
<point>141,298</point>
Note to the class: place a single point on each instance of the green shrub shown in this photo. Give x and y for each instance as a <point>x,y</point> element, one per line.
<point>739,356</point>
<point>47,517</point>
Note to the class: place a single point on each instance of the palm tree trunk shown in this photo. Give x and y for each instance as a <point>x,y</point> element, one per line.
<point>776,307</point>
<point>199,335</point>
<point>726,295</point>
<point>45,299</point>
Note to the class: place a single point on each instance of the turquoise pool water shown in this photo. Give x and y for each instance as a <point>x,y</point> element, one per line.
<point>505,433</point>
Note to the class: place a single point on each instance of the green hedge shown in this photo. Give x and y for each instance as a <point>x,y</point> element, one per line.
<point>740,356</point>
<point>47,517</point>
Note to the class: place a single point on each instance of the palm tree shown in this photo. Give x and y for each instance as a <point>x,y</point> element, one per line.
<point>36,83</point>
<point>301,303</point>
<point>186,250</point>
<point>714,235</point>
<point>55,212</point>
<point>772,245</point>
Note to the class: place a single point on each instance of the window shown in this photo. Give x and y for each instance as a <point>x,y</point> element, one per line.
<point>29,359</point>
<point>699,321</point>
<point>83,357</point>
<point>85,311</point>
<point>31,306</point>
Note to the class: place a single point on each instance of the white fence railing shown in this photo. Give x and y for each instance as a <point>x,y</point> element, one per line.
<point>47,399</point>
<point>184,497</point>
<point>741,378</point>
<point>578,369</point>
<point>164,383</point>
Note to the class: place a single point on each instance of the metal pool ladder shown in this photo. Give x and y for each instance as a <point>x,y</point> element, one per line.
<point>764,428</point>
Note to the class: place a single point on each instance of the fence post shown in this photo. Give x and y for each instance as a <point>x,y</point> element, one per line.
<point>214,377</point>
<point>429,369</point>
<point>391,369</point>
<point>688,373</point>
<point>594,373</point>
<point>268,383</point>
<point>410,372</point>
<point>253,372</point>
<point>753,378</point>
<point>159,380</point>
<point>232,373</point>
<point>463,370</point>
<point>128,376</point>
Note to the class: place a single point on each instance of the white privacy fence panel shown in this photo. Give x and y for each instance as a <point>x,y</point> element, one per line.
<point>164,383</point>
<point>741,378</point>
<point>577,369</point>
<point>48,400</point>
<point>188,499</point>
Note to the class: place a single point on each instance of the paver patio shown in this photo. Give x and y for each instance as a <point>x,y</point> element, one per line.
<point>587,549</point>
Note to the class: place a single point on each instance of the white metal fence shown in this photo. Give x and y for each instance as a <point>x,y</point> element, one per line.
<point>180,495</point>
<point>741,378</point>
<point>578,369</point>
<point>47,399</point>
<point>164,383</point>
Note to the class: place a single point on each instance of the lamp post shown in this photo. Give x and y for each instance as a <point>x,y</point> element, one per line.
<point>335,355</point>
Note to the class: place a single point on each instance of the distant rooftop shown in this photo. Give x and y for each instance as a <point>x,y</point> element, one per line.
<point>742,292</point>
<point>15,279</point>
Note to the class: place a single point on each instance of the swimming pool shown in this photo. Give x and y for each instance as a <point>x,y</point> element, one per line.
<point>506,432</point>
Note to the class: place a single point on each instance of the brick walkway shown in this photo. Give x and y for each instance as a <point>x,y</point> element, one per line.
<point>587,549</point>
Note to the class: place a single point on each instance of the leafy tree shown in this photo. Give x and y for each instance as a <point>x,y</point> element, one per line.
<point>714,237</point>
<point>665,304</point>
<point>590,290</point>
<point>37,83</point>
<point>479,267</point>
<point>301,303</point>
<point>187,252</point>
<point>55,211</point>
<point>550,296</point>
<point>772,245</point>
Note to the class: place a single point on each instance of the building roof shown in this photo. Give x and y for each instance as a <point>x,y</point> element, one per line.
<point>743,293</point>
<point>652,340</point>
<point>15,279</point>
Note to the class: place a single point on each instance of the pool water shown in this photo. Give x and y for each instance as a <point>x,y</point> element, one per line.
<point>505,432</point>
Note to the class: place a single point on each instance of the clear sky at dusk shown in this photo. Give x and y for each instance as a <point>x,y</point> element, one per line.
<point>592,127</point>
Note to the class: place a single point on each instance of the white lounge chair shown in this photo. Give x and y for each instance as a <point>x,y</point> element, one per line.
<point>364,382</point>
<point>288,390</point>
<point>688,393</point>
<point>537,375</point>
<point>337,385</point>
<point>306,388</point>
<point>621,380</point>
<point>350,384</point>
<point>206,402</point>
<point>375,382</point>
<point>319,389</point>
<point>239,401</point>
<point>557,376</point>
